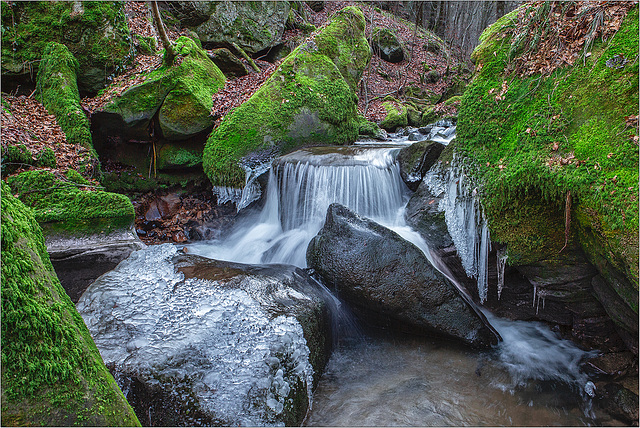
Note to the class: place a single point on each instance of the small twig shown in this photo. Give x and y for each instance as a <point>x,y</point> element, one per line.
<point>567,220</point>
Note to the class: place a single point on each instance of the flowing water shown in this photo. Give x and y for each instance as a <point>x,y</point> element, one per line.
<point>378,378</point>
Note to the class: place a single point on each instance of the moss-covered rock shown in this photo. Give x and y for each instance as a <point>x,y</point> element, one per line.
<point>95,32</point>
<point>310,99</point>
<point>181,95</point>
<point>549,137</point>
<point>52,372</point>
<point>60,199</point>
<point>386,45</point>
<point>57,90</point>
<point>396,115</point>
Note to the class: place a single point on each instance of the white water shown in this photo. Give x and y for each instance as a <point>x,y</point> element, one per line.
<point>366,179</point>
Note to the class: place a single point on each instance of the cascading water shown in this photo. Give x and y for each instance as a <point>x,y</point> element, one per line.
<point>360,374</point>
<point>301,187</point>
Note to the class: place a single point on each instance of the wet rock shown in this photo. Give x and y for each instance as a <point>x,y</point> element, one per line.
<point>619,402</point>
<point>195,341</point>
<point>386,45</point>
<point>416,159</point>
<point>375,269</point>
<point>79,259</point>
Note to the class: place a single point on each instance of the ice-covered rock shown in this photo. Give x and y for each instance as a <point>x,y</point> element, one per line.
<point>195,341</point>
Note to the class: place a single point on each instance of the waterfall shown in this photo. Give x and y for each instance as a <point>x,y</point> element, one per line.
<point>301,187</point>
<point>465,220</point>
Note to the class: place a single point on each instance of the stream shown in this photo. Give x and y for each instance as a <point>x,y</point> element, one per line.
<point>386,378</point>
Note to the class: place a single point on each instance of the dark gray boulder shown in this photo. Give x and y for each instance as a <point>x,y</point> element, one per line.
<point>228,63</point>
<point>195,341</point>
<point>386,45</point>
<point>415,160</point>
<point>373,268</point>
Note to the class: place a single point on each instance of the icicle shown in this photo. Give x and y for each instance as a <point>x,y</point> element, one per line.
<point>502,263</point>
<point>226,194</point>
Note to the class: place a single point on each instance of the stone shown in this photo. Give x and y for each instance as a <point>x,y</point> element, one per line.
<point>52,373</point>
<point>619,402</point>
<point>254,26</point>
<point>396,115</point>
<point>386,45</point>
<point>398,282</point>
<point>416,159</point>
<point>309,99</point>
<point>196,341</point>
<point>180,96</point>
<point>228,63</point>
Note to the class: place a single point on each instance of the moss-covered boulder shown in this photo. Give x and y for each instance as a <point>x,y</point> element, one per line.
<point>57,90</point>
<point>253,25</point>
<point>397,115</point>
<point>386,45</point>
<point>52,372</point>
<point>564,140</point>
<point>95,32</point>
<point>179,94</point>
<point>61,199</point>
<point>309,99</point>
<point>228,63</point>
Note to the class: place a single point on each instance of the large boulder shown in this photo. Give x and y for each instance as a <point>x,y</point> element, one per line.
<point>95,32</point>
<point>416,159</point>
<point>386,45</point>
<point>309,99</point>
<point>253,25</point>
<point>372,267</point>
<point>52,373</point>
<point>178,95</point>
<point>196,341</point>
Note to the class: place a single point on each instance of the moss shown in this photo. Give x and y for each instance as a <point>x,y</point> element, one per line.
<point>181,93</point>
<point>97,36</point>
<point>15,157</point>
<point>547,136</point>
<point>146,45</point>
<point>52,372</point>
<point>396,115</point>
<point>58,91</point>
<point>308,100</point>
<point>453,100</point>
<point>173,156</point>
<point>60,199</point>
<point>46,158</point>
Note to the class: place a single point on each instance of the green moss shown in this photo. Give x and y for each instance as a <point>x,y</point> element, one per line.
<point>173,156</point>
<point>547,136</point>
<point>308,100</point>
<point>58,92</point>
<point>146,45</point>
<point>15,157</point>
<point>396,115</point>
<point>97,35</point>
<point>182,93</point>
<point>46,158</point>
<point>52,372</point>
<point>57,199</point>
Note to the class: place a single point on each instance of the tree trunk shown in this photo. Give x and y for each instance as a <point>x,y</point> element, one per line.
<point>170,52</point>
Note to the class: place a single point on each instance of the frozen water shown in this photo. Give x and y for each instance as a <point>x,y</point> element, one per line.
<point>465,220</point>
<point>215,340</point>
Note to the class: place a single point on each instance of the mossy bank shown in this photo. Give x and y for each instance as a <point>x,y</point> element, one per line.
<point>52,372</point>
<point>95,32</point>
<point>310,99</point>
<point>558,143</point>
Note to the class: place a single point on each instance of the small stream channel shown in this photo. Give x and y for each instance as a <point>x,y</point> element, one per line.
<point>381,377</point>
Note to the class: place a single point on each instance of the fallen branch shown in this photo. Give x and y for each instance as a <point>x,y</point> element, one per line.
<point>245,56</point>
<point>567,220</point>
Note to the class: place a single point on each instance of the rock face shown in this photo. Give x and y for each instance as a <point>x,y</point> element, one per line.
<point>52,373</point>
<point>253,25</point>
<point>96,33</point>
<point>178,97</point>
<point>416,159</point>
<point>196,341</point>
<point>310,99</point>
<point>386,45</point>
<point>398,281</point>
